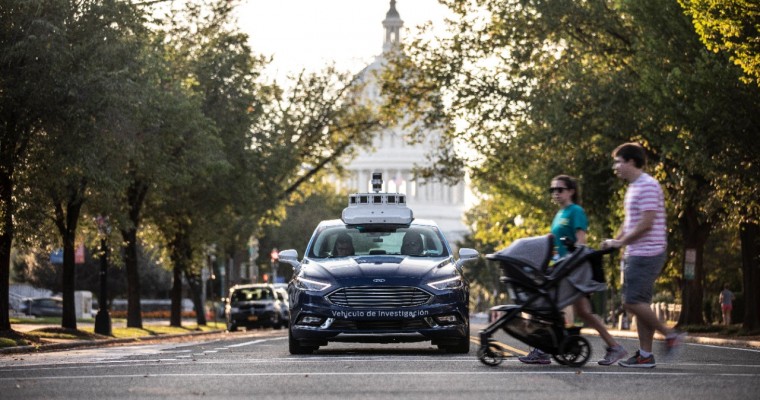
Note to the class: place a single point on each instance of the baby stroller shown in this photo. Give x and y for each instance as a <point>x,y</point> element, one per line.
<point>539,295</point>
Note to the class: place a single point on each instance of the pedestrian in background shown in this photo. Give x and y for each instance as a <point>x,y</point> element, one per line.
<point>726,304</point>
<point>571,222</point>
<point>644,237</point>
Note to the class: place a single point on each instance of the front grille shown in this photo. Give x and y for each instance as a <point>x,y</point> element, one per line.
<point>379,296</point>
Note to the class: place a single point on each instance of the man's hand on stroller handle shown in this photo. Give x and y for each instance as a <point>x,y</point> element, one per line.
<point>609,246</point>
<point>611,243</point>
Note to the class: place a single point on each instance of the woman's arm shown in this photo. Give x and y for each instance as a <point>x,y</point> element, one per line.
<point>580,236</point>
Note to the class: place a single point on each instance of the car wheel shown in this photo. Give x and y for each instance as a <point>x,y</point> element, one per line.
<point>232,328</point>
<point>295,346</point>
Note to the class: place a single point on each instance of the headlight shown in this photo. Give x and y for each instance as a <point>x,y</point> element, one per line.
<point>447,284</point>
<point>311,285</point>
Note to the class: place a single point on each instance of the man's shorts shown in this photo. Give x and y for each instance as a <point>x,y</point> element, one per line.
<point>639,274</point>
<point>726,307</point>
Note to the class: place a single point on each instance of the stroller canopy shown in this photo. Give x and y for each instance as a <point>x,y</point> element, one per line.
<point>532,251</point>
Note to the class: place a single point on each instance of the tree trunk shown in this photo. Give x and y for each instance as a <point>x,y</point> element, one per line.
<point>135,197</point>
<point>67,221</point>
<point>695,234</point>
<point>181,254</point>
<point>749,233</point>
<point>6,240</point>
<point>195,282</point>
<point>134,310</point>
<point>176,309</point>
<point>69,318</point>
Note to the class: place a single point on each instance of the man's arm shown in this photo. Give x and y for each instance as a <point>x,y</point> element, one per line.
<point>644,226</point>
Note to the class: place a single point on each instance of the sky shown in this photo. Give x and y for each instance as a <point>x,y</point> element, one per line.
<point>310,34</point>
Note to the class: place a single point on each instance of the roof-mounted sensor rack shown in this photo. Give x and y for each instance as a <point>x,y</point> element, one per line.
<point>376,207</point>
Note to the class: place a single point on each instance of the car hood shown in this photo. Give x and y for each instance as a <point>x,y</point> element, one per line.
<point>373,267</point>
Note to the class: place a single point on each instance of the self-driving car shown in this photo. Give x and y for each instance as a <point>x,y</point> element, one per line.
<point>378,275</point>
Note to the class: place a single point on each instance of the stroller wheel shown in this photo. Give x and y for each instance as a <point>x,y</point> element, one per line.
<point>491,355</point>
<point>573,351</point>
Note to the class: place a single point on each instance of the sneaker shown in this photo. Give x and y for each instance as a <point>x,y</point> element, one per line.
<point>672,341</point>
<point>614,354</point>
<point>637,361</point>
<point>536,356</point>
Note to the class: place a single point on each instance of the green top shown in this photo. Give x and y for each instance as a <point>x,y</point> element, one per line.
<point>567,221</point>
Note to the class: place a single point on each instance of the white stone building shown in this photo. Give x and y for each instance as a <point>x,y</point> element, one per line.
<point>395,158</point>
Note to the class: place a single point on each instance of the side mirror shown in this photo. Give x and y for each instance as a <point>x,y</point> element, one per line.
<point>290,256</point>
<point>467,255</point>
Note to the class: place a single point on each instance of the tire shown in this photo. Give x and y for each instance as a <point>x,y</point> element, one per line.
<point>491,355</point>
<point>574,351</point>
<point>295,347</point>
<point>232,328</point>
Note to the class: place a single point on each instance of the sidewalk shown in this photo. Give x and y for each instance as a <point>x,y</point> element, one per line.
<point>690,338</point>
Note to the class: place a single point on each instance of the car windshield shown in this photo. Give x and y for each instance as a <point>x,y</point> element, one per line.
<point>346,241</point>
<point>250,294</point>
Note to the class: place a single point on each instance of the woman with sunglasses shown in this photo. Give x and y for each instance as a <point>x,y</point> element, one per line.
<point>571,222</point>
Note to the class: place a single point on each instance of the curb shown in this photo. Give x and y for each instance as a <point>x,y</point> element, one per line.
<point>96,343</point>
<point>689,338</point>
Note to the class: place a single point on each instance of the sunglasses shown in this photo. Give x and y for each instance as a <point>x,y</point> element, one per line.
<point>557,189</point>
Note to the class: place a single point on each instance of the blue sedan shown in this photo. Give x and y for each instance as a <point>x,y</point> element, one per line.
<point>378,275</point>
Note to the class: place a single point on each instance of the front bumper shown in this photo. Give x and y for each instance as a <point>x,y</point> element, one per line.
<point>316,321</point>
<point>251,318</point>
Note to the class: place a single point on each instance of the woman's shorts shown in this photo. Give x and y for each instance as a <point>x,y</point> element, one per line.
<point>639,274</point>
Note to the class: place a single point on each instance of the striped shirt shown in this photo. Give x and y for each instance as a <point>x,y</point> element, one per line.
<point>645,194</point>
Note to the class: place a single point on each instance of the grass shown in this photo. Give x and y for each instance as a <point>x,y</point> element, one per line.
<point>50,334</point>
<point>157,330</point>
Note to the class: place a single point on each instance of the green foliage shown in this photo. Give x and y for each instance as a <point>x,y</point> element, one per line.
<point>730,26</point>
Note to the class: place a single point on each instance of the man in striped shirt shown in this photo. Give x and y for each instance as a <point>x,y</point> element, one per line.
<point>644,237</point>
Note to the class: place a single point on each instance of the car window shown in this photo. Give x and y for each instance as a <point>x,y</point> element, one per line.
<point>251,294</point>
<point>416,241</point>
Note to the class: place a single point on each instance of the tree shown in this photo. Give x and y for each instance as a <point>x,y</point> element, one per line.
<point>26,83</point>
<point>730,26</point>
<point>64,64</point>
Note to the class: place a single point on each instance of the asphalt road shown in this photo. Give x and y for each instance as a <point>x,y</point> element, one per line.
<point>257,365</point>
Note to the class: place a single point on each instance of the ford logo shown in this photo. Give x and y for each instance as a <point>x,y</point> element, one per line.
<point>378,280</point>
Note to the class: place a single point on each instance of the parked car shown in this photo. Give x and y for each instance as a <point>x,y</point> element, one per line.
<point>282,297</point>
<point>378,275</point>
<point>43,307</point>
<point>253,305</point>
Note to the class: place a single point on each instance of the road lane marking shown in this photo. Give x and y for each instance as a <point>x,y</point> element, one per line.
<point>504,346</point>
<point>542,372</point>
<point>254,342</point>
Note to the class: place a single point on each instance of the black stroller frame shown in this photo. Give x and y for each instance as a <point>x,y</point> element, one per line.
<point>536,318</point>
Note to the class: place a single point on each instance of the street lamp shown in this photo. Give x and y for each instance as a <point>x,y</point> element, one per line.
<point>103,318</point>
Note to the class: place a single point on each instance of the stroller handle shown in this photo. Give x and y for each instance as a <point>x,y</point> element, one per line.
<point>608,250</point>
